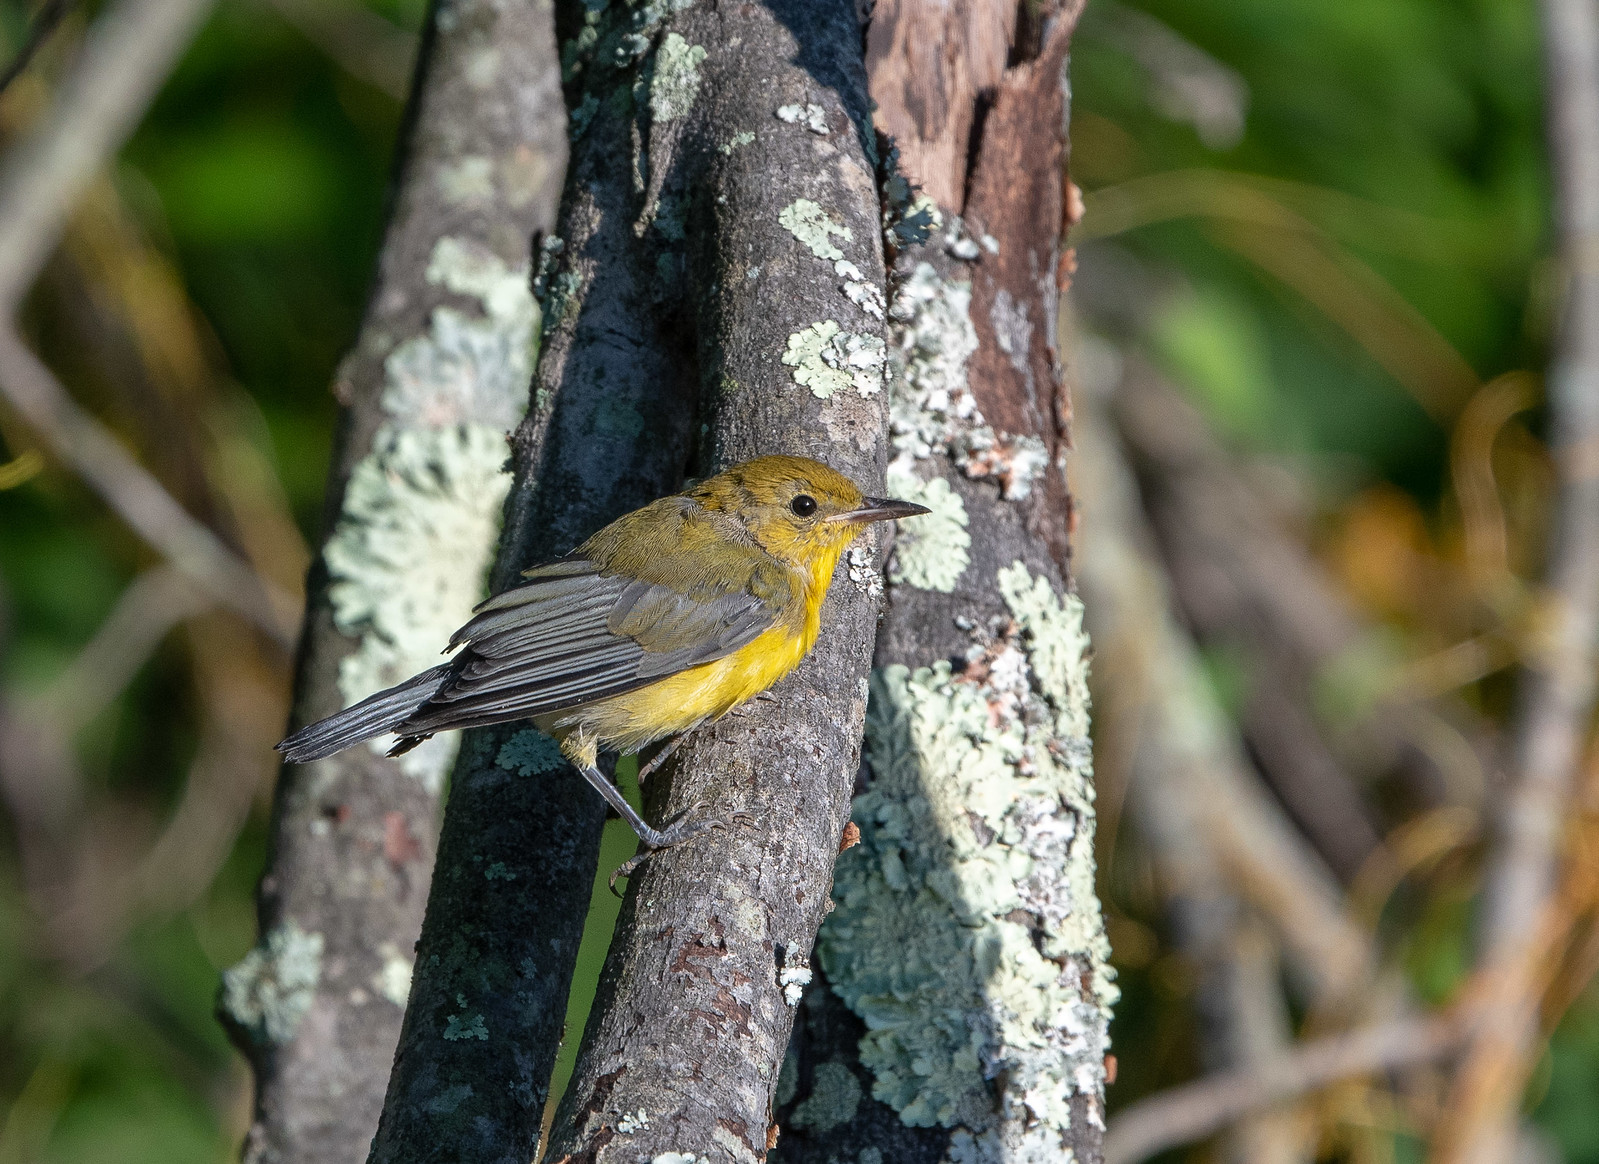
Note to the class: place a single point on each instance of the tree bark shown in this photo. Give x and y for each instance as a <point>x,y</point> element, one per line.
<point>966,935</point>
<point>438,375</point>
<point>614,402</point>
<point>756,145</point>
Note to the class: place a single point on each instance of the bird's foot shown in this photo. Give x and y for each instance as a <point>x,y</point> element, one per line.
<point>688,823</point>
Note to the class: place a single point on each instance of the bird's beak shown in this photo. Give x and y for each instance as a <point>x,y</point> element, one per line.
<point>879,509</point>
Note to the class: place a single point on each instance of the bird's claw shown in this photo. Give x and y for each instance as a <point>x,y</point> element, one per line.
<point>685,825</point>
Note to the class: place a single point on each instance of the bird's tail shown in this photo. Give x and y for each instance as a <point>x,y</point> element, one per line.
<point>371,717</point>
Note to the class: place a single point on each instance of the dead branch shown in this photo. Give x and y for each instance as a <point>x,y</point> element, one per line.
<point>1555,696</point>
<point>126,58</point>
<point>1200,1109</point>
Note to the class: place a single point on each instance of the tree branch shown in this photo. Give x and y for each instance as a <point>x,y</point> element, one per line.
<point>966,942</point>
<point>1199,1109</point>
<point>1555,695</point>
<point>438,374</point>
<point>93,453</point>
<point>760,146</point>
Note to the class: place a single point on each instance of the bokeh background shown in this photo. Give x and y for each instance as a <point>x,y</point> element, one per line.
<point>1327,223</point>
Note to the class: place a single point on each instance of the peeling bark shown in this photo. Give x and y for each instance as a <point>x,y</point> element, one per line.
<point>768,165</point>
<point>966,935</point>
<point>429,388</point>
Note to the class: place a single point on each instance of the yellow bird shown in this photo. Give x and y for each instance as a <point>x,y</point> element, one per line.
<point>668,617</point>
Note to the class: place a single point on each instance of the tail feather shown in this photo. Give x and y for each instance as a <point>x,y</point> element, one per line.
<point>371,717</point>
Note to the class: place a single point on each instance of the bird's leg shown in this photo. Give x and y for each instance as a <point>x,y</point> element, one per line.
<point>652,838</point>
<point>655,761</point>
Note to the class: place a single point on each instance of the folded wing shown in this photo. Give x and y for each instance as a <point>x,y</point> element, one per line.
<point>572,635</point>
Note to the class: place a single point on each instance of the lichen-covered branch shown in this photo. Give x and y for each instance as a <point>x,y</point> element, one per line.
<point>437,377</point>
<point>755,154</point>
<point>608,431</point>
<point>966,941</point>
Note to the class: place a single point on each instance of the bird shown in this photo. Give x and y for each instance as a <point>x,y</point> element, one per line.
<point>667,618</point>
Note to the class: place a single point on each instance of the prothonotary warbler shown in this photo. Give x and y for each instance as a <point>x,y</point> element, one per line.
<point>668,617</point>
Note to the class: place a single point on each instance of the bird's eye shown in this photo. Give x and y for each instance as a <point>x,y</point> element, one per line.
<point>803,506</point>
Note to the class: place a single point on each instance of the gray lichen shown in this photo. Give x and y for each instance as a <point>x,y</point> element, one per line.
<point>273,986</point>
<point>932,552</point>
<point>867,296</point>
<point>529,753</point>
<point>812,117</point>
<point>827,360</point>
<point>966,923</point>
<point>676,80</point>
<point>465,1026</point>
<point>410,556</point>
<point>834,1099</point>
<point>812,225</point>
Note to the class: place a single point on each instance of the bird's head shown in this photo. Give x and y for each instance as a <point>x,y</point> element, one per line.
<point>797,509</point>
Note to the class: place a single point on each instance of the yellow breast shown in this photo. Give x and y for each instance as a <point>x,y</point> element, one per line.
<point>626,723</point>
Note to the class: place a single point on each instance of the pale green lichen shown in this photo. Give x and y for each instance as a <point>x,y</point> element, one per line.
<point>828,360</point>
<point>421,511</point>
<point>633,1121</point>
<point>676,80</point>
<point>464,1026</point>
<point>834,1099</point>
<point>499,871</point>
<point>464,368</point>
<point>529,753</point>
<point>738,139</point>
<point>677,1158</point>
<point>393,979</point>
<point>812,225</point>
<point>966,925</point>
<point>932,552</point>
<point>409,559</point>
<point>273,986</point>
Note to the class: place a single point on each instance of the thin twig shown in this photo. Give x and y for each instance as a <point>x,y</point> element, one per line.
<point>1556,693</point>
<point>1557,689</point>
<point>1196,1110</point>
<point>91,451</point>
<point>153,603</point>
<point>127,56</point>
<point>44,23</point>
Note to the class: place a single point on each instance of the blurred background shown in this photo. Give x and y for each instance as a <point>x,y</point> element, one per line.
<point>1325,226</point>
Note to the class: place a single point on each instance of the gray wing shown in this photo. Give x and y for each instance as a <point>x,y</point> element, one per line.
<point>572,635</point>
